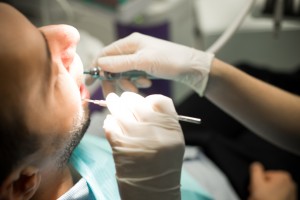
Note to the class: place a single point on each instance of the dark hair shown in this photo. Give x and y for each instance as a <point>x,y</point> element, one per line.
<point>16,141</point>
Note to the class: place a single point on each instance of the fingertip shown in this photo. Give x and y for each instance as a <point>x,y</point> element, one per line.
<point>105,63</point>
<point>99,61</point>
<point>127,86</point>
<point>108,136</point>
<point>257,165</point>
<point>111,96</point>
<point>143,83</point>
<point>257,174</point>
<point>88,80</point>
<point>161,103</point>
<point>107,120</point>
<point>108,87</point>
<point>131,96</point>
<point>257,169</point>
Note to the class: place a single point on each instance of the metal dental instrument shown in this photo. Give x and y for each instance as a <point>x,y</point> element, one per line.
<point>180,117</point>
<point>189,119</point>
<point>97,73</point>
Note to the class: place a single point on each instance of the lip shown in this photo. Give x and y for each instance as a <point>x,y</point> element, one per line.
<point>84,93</point>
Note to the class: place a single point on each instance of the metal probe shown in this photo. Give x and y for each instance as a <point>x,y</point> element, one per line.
<point>98,73</point>
<point>180,117</point>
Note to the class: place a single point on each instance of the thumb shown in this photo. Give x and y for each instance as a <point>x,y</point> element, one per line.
<point>119,63</point>
<point>257,172</point>
<point>162,104</point>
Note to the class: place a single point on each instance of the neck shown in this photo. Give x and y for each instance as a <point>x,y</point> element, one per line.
<point>54,183</point>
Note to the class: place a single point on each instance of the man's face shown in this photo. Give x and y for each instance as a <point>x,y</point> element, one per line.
<point>44,63</point>
<point>63,102</point>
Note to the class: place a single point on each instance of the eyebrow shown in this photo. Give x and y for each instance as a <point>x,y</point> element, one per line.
<point>48,70</point>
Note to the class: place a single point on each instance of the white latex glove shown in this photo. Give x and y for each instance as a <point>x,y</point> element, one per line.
<point>157,57</point>
<point>147,144</point>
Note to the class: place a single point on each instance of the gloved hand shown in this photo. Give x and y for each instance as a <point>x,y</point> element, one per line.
<point>157,57</point>
<point>147,144</point>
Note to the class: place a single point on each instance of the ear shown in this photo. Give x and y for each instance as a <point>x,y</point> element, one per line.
<point>21,184</point>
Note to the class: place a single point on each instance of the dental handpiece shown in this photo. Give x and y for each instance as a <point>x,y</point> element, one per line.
<point>97,73</point>
<point>180,117</point>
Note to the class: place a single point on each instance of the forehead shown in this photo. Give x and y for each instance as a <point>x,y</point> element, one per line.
<point>23,50</point>
<point>19,38</point>
<point>23,58</point>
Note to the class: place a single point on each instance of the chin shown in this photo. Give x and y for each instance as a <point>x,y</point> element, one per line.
<point>81,124</point>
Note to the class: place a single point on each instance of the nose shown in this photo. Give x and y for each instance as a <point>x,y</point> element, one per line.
<point>62,41</point>
<point>65,34</point>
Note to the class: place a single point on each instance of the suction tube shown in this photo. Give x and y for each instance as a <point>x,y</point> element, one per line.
<point>228,33</point>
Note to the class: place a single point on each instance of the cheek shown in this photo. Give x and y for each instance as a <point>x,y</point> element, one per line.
<point>76,69</point>
<point>70,94</point>
<point>67,95</point>
<point>68,103</point>
<point>69,82</point>
<point>67,92</point>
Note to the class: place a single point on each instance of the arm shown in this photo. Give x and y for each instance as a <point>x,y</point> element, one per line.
<point>268,111</point>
